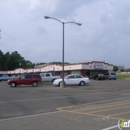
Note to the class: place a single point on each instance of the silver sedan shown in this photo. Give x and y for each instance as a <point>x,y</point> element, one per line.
<point>73,79</point>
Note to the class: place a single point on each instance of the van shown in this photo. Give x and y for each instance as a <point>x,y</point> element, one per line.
<point>110,75</point>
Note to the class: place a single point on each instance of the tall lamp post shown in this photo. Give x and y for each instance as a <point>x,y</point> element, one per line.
<point>62,85</point>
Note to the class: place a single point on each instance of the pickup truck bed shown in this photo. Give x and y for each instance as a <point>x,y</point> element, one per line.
<point>48,77</point>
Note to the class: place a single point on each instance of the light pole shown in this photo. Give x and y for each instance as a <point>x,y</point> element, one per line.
<point>63,23</point>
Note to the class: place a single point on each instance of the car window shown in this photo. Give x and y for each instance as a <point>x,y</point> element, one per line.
<point>80,76</point>
<point>42,75</point>
<point>77,76</point>
<point>112,73</point>
<point>22,77</point>
<point>28,76</point>
<point>47,75</point>
<point>70,77</point>
<point>36,76</point>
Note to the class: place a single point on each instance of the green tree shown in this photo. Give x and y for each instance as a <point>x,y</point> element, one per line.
<point>29,64</point>
<point>41,63</point>
<point>1,59</point>
<point>122,70</point>
<point>14,60</point>
<point>115,68</point>
<point>6,61</point>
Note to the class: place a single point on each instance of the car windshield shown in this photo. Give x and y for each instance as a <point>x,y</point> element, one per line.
<point>66,77</point>
<point>113,74</point>
<point>53,74</point>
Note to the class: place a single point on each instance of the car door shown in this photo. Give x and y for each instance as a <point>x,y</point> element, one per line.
<point>21,80</point>
<point>43,77</point>
<point>72,80</point>
<point>4,77</point>
<point>78,79</point>
<point>48,77</point>
<point>69,80</point>
<point>24,79</point>
<point>28,79</point>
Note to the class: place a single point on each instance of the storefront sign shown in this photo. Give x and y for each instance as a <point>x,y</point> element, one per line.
<point>51,69</point>
<point>99,67</point>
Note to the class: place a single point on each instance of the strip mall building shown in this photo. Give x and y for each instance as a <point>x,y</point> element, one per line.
<point>84,69</point>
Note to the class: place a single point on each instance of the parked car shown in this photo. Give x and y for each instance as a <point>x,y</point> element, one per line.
<point>110,75</point>
<point>49,77</point>
<point>26,79</point>
<point>73,79</point>
<point>99,76</point>
<point>5,77</point>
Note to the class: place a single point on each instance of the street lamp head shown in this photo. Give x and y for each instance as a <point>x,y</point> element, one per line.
<point>46,17</point>
<point>79,24</point>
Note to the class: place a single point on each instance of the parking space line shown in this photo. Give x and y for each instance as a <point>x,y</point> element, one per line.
<point>109,109</point>
<point>67,109</point>
<point>93,103</point>
<point>115,104</point>
<point>89,114</point>
<point>119,114</point>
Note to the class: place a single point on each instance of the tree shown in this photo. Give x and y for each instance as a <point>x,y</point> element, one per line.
<point>12,61</point>
<point>1,59</point>
<point>115,68</point>
<point>122,70</point>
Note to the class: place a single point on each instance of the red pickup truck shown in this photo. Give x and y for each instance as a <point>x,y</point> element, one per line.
<point>26,79</point>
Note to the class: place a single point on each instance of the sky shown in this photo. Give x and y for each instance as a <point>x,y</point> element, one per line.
<point>103,36</point>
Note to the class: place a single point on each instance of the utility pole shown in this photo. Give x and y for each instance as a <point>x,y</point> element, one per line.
<point>0,38</point>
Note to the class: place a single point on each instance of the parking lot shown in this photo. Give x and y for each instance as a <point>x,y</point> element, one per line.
<point>97,106</point>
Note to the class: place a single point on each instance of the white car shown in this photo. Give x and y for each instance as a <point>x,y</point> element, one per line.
<point>73,79</point>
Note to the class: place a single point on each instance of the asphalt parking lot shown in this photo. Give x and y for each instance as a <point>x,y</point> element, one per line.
<point>97,106</point>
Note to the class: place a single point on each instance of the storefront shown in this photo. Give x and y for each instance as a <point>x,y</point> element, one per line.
<point>84,69</point>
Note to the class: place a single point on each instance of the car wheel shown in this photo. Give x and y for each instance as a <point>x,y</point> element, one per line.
<point>82,83</point>
<point>34,84</point>
<point>13,84</point>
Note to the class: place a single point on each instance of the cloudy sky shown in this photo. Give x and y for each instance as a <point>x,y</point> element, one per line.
<point>103,36</point>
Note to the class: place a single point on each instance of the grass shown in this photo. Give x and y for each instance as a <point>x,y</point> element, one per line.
<point>123,76</point>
